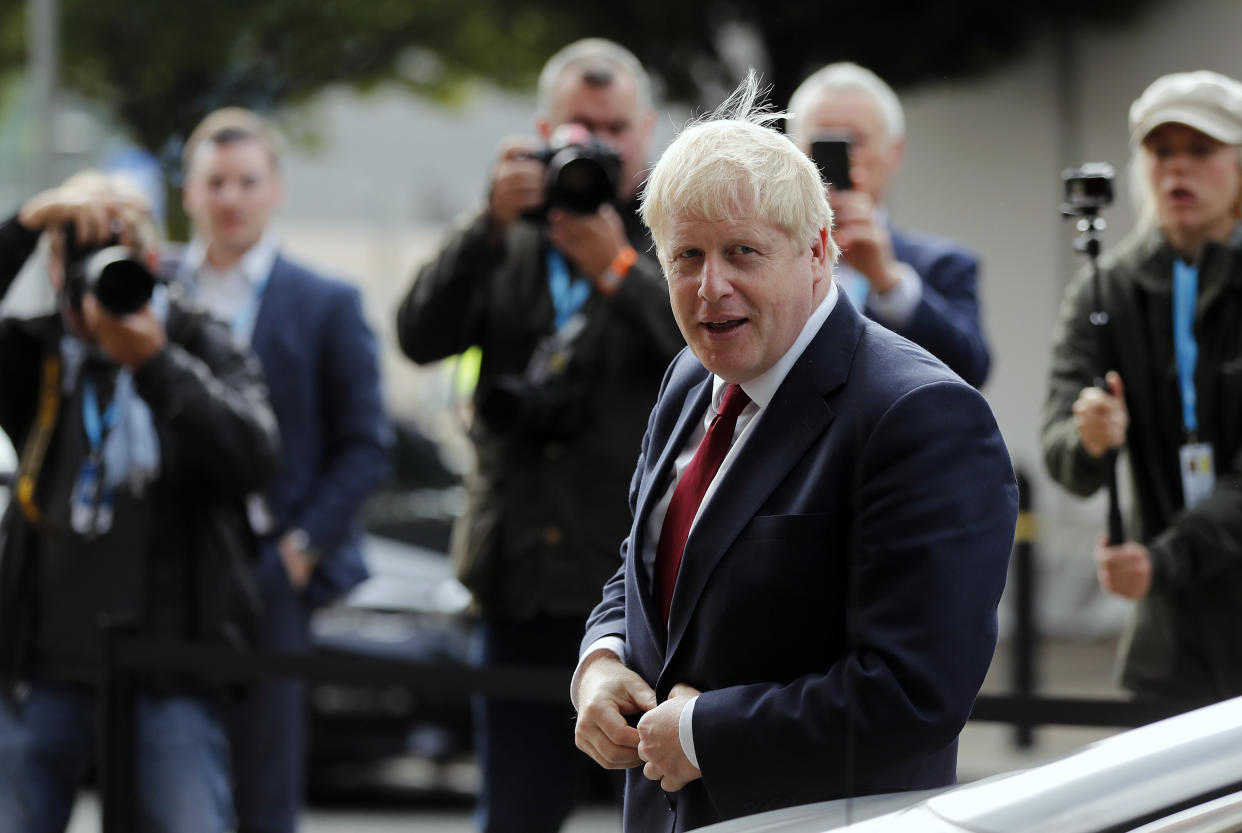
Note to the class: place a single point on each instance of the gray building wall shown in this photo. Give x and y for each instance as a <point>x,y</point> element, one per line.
<point>982,165</point>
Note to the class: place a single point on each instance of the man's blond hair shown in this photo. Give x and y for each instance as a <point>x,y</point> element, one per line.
<point>734,163</point>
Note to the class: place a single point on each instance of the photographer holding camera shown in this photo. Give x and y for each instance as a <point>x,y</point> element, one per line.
<point>922,287</point>
<point>140,429</point>
<point>1169,349</point>
<point>575,328</point>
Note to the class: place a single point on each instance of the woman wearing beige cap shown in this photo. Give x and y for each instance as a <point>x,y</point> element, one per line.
<point>1172,347</point>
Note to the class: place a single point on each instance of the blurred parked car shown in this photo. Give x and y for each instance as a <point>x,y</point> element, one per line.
<point>369,737</point>
<point>1181,775</point>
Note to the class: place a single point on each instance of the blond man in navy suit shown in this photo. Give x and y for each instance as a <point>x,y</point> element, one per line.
<point>834,609</point>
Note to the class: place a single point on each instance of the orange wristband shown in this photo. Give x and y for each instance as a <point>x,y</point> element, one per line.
<point>614,275</point>
<point>621,264</point>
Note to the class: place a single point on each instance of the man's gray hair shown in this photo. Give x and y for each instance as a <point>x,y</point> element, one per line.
<point>733,163</point>
<point>840,78</point>
<point>597,61</point>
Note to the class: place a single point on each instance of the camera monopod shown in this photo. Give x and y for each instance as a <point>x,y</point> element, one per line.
<point>1088,189</point>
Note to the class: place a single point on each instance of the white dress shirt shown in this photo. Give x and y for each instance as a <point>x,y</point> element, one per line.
<point>232,294</point>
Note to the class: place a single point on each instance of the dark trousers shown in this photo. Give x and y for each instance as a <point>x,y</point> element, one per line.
<point>47,742</point>
<point>267,729</point>
<point>532,773</point>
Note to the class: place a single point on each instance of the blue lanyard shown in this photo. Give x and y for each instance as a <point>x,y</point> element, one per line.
<point>1185,292</point>
<point>567,296</point>
<point>96,424</point>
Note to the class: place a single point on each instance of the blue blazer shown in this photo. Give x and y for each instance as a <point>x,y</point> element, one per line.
<point>321,363</point>
<point>838,593</point>
<point>946,320</point>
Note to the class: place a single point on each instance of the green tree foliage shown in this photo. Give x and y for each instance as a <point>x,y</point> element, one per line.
<point>159,65</point>
<point>906,42</point>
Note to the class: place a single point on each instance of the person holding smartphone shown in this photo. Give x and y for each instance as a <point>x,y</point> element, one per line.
<point>922,287</point>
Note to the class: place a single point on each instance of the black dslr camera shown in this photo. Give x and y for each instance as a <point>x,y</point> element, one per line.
<point>113,273</point>
<point>582,172</point>
<point>1088,189</point>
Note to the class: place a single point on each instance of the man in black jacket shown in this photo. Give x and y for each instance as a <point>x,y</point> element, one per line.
<point>141,428</point>
<point>575,328</point>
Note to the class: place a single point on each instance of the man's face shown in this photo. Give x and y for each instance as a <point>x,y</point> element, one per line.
<point>611,113</point>
<point>231,191</point>
<point>874,157</point>
<point>741,290</point>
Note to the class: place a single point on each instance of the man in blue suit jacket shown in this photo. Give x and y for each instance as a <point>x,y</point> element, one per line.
<point>320,360</point>
<point>834,609</point>
<point>923,287</point>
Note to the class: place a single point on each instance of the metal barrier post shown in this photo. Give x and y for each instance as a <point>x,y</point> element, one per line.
<point>116,753</point>
<point>1025,634</point>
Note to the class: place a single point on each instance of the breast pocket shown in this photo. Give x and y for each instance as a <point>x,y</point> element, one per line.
<point>789,556</point>
<point>787,528</point>
<point>783,584</point>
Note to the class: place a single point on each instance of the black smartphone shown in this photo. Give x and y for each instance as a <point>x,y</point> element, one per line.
<point>831,152</point>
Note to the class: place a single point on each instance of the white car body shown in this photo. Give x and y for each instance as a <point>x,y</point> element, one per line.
<point>1181,775</point>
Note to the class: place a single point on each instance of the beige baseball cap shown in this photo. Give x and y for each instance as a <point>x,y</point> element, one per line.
<point>1207,101</point>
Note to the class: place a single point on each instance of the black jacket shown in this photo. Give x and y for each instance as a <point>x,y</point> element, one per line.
<point>547,502</point>
<point>218,443</point>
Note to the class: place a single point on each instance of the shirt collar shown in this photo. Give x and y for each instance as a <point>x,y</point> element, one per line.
<point>763,387</point>
<point>255,265</point>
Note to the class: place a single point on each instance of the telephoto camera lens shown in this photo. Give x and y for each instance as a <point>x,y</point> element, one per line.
<point>120,283</point>
<point>581,179</point>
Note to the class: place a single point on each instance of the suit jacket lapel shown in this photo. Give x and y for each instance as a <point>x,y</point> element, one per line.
<point>793,420</point>
<point>271,302</point>
<point>653,487</point>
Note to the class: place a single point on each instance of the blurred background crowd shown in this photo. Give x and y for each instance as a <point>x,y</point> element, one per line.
<point>392,113</point>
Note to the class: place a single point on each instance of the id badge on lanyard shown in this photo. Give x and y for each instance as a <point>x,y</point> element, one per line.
<point>1196,459</point>
<point>90,502</point>
<point>1198,471</point>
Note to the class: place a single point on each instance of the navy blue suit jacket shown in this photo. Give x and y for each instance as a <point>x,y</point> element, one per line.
<point>946,320</point>
<point>321,363</point>
<point>840,590</point>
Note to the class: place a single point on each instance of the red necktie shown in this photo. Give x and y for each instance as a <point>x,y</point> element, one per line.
<point>684,504</point>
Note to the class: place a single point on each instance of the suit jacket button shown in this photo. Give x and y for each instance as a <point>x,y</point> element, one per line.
<point>553,535</point>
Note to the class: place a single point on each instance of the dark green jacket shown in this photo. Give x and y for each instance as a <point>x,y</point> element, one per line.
<point>546,512</point>
<point>1185,637</point>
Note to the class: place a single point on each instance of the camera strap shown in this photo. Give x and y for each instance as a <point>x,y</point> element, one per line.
<point>35,448</point>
